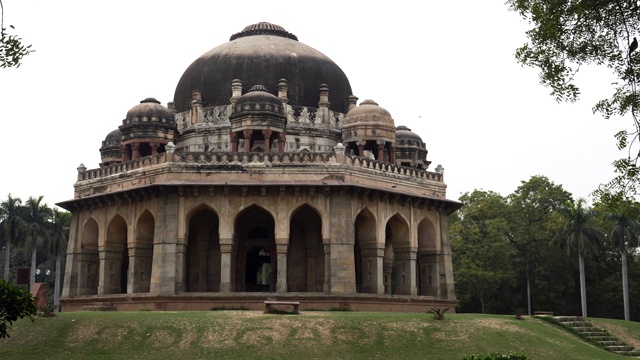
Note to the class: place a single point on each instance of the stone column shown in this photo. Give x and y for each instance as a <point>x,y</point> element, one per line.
<point>380,150</point>
<point>266,133</point>
<point>343,275</point>
<point>387,280</point>
<point>166,248</point>
<point>139,275</point>
<point>154,148</point>
<point>447,264</point>
<point>327,266</point>
<point>226,253</point>
<point>405,269</point>
<point>124,149</point>
<point>282,90</point>
<point>282,138</point>
<point>360,144</point>
<point>247,139</point>
<point>352,100</point>
<point>110,264</point>
<point>372,268</point>
<point>234,142</point>
<point>135,150</point>
<point>281,279</point>
<point>392,154</point>
<point>236,91</point>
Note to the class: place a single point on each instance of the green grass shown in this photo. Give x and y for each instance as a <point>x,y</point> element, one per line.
<point>310,335</point>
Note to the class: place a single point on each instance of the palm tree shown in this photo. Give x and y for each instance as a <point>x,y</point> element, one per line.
<point>37,217</point>
<point>578,235</point>
<point>59,232</point>
<point>623,235</point>
<point>10,222</point>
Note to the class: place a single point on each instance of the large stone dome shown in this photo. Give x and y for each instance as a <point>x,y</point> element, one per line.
<point>263,53</point>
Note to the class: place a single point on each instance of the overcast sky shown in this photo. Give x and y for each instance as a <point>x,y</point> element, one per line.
<point>445,69</point>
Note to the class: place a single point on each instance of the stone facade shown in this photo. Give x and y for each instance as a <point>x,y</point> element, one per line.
<point>231,204</point>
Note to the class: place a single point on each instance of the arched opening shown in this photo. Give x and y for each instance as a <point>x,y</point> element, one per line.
<point>305,258</point>
<point>203,252</point>
<point>116,257</point>
<point>365,251</point>
<point>89,262</point>
<point>142,253</point>
<point>398,263</point>
<point>427,264</point>
<point>256,260</point>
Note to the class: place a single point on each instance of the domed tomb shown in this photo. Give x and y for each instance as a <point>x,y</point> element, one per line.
<point>369,130</point>
<point>258,118</point>
<point>410,149</point>
<point>148,127</point>
<point>110,150</point>
<point>263,53</point>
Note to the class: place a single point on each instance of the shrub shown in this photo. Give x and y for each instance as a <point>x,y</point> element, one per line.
<point>15,303</point>
<point>438,313</point>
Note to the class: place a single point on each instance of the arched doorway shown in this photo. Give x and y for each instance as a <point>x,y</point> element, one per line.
<point>427,264</point>
<point>142,253</point>
<point>365,253</point>
<point>116,257</point>
<point>398,263</point>
<point>256,260</point>
<point>305,258</point>
<point>203,252</point>
<point>89,262</point>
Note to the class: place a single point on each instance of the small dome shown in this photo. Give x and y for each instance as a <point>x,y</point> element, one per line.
<point>114,135</point>
<point>110,150</point>
<point>149,110</point>
<point>369,112</point>
<point>404,133</point>
<point>258,100</point>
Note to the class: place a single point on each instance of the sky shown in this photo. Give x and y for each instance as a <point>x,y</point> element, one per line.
<point>445,69</point>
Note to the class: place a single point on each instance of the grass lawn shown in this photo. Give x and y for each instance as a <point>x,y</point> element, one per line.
<point>311,335</point>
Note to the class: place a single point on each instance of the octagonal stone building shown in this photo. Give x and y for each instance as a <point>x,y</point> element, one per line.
<point>263,179</point>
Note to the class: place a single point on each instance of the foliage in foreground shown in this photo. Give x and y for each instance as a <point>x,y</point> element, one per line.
<point>15,303</point>
<point>495,356</point>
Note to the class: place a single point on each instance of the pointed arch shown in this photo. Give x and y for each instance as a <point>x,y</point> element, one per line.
<point>397,257</point>
<point>142,253</point>
<point>203,250</point>
<point>427,262</point>
<point>116,257</point>
<point>366,259</point>
<point>256,261</point>
<point>89,263</point>
<point>305,253</point>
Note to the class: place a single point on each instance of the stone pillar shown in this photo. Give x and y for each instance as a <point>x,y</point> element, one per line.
<point>266,133</point>
<point>447,264</point>
<point>281,279</point>
<point>236,91</point>
<point>387,280</point>
<point>323,104</point>
<point>226,253</point>
<point>392,154</point>
<point>139,275</point>
<point>70,287</point>
<point>327,266</point>
<point>380,156</point>
<point>343,275</point>
<point>405,271</point>
<point>124,149</point>
<point>110,265</point>
<point>181,245</point>
<point>282,138</point>
<point>234,142</point>
<point>154,148</point>
<point>361,144</point>
<point>165,248</point>
<point>372,268</point>
<point>196,106</point>
<point>282,90</point>
<point>135,150</point>
<point>352,100</point>
<point>247,139</point>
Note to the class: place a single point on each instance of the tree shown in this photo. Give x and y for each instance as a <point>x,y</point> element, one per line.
<point>480,248</point>
<point>10,222</point>
<point>622,236</point>
<point>59,232</point>
<point>12,49</point>
<point>37,218</point>
<point>568,34</point>
<point>532,207</point>
<point>578,235</point>
<point>15,303</point>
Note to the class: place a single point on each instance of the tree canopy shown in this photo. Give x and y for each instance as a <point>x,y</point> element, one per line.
<point>12,48</point>
<point>568,34</point>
